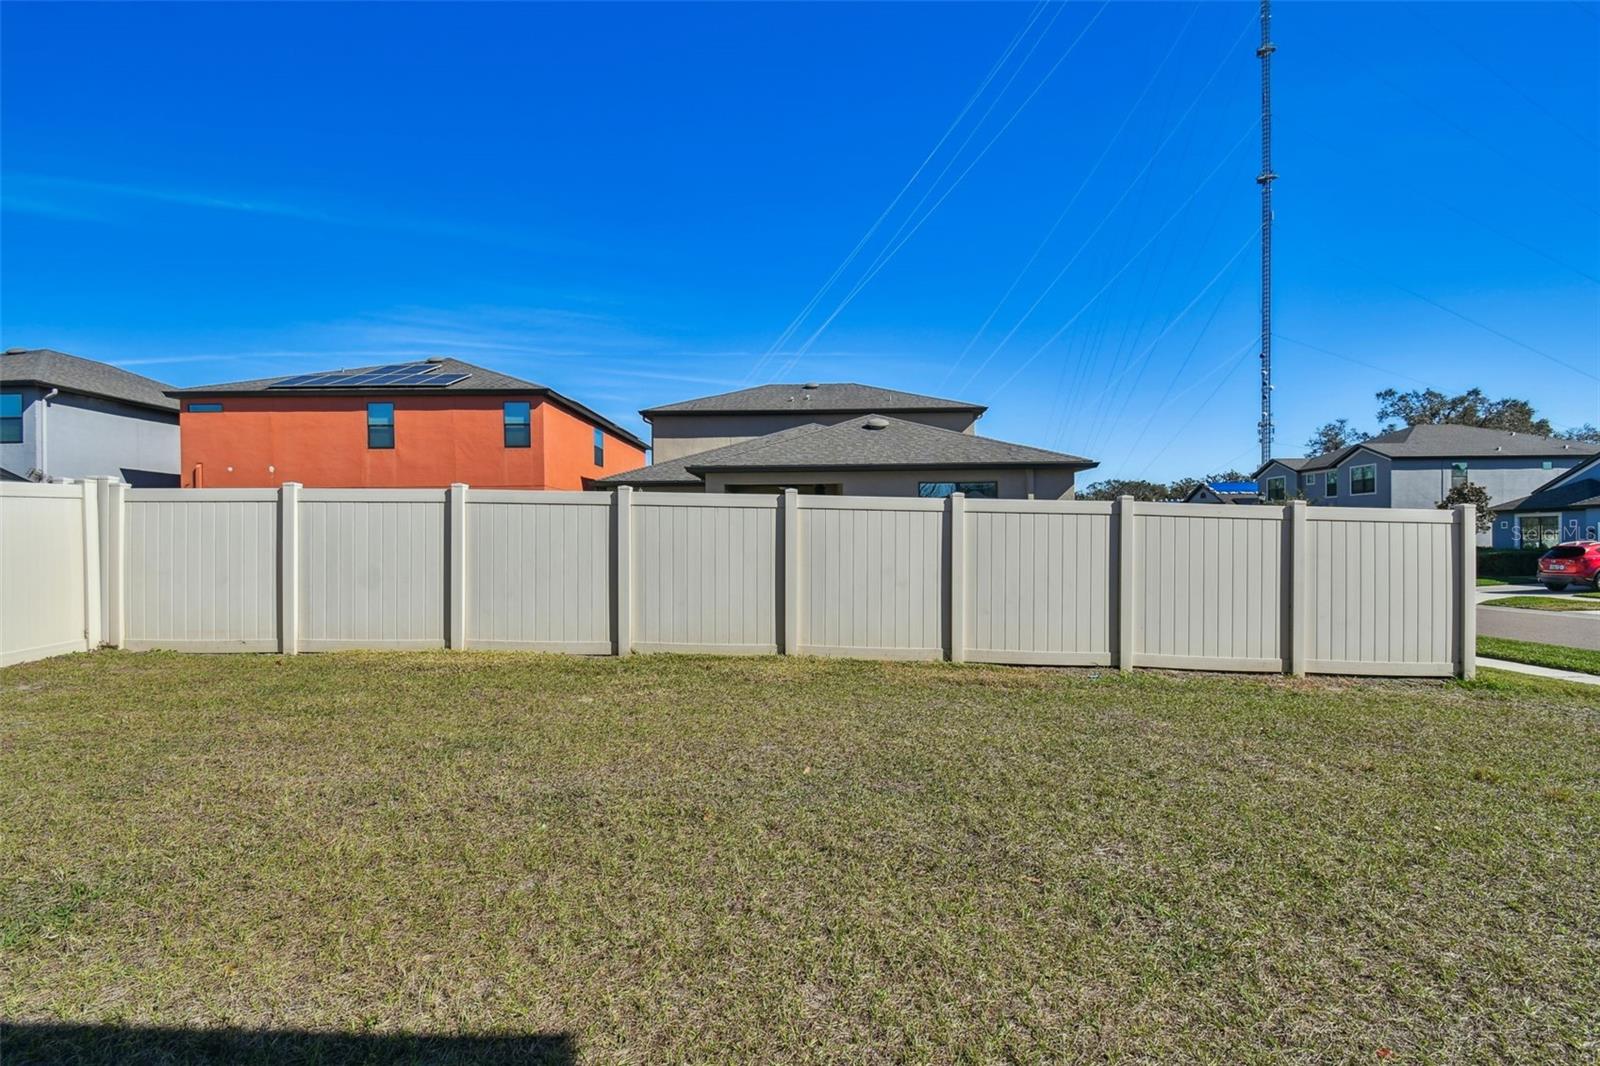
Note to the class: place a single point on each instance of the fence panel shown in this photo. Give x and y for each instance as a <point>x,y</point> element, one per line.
<point>42,572</point>
<point>539,571</point>
<point>705,573</point>
<point>872,577</point>
<point>202,569</point>
<point>372,569</point>
<point>1038,582</point>
<point>1382,592</point>
<point>1208,587</point>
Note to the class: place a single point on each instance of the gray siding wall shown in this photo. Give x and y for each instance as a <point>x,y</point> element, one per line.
<point>674,436</point>
<point>1012,483</point>
<point>1385,592</point>
<point>91,437</point>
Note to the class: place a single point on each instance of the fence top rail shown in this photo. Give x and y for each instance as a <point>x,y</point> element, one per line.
<point>538,496</point>
<point>1429,516</point>
<point>29,490</point>
<point>373,496</point>
<point>870,503</point>
<point>1100,508</point>
<point>202,495</point>
<point>1248,512</point>
<point>686,499</point>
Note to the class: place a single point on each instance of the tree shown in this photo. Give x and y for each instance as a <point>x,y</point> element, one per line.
<point>1478,496</point>
<point>1423,407</point>
<point>1587,433</point>
<point>1139,490</point>
<point>1332,436</point>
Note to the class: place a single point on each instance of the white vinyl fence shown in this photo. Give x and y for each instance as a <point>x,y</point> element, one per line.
<point>1125,584</point>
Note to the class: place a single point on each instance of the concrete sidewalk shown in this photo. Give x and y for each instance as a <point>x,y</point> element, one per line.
<point>1539,671</point>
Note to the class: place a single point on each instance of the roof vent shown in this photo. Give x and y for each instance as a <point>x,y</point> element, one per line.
<point>434,359</point>
<point>812,385</point>
<point>876,423</point>
<point>15,351</point>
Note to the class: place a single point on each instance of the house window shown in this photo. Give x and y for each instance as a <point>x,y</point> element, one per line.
<point>1538,530</point>
<point>938,490</point>
<point>1276,490</point>
<point>1458,475</point>
<point>517,431</point>
<point>599,448</point>
<point>1307,480</point>
<point>380,425</point>
<point>1546,465</point>
<point>1333,483</point>
<point>1364,479</point>
<point>10,418</point>
<point>204,408</point>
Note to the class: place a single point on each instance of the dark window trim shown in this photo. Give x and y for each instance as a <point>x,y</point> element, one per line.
<point>517,434</point>
<point>11,425</point>
<point>599,446</point>
<point>964,487</point>
<point>206,407</point>
<point>1374,482</point>
<point>380,435</point>
<point>1283,488</point>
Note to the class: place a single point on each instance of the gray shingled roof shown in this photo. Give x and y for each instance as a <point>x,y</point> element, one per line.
<point>69,373</point>
<point>676,471</point>
<point>851,445</point>
<point>1568,489</point>
<point>1292,464</point>
<point>832,397</point>
<point>1456,442</point>
<point>479,380</point>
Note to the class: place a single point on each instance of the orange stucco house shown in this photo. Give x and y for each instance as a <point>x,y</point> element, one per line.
<point>407,425</point>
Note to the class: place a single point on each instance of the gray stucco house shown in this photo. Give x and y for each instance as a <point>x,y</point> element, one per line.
<point>1567,507</point>
<point>841,439</point>
<point>66,417</point>
<point>1418,465</point>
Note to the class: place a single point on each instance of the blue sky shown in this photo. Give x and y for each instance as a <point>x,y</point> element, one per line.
<point>633,203</point>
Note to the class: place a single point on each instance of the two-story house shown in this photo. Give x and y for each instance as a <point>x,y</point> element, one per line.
<point>1418,466</point>
<point>841,439</point>
<point>407,425</point>
<point>1567,507</point>
<point>62,416</point>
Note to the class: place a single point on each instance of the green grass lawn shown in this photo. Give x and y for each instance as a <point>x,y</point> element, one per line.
<point>1581,601</point>
<point>1487,581</point>
<point>1551,655</point>
<point>673,859</point>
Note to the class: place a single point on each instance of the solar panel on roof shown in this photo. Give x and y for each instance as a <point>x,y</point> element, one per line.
<point>395,375</point>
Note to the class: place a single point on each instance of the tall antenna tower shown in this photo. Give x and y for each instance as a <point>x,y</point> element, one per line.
<point>1265,180</point>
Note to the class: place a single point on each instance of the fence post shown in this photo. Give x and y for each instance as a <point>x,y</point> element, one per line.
<point>1299,634</point>
<point>791,572</point>
<point>116,555</point>
<point>289,568</point>
<point>622,567</point>
<point>91,563</point>
<point>1467,545</point>
<point>456,517</point>
<point>958,576</point>
<point>1126,506</point>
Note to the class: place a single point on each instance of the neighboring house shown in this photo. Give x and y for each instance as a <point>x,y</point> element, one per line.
<point>66,417</point>
<point>694,426</point>
<point>1567,507</point>
<point>1279,479</point>
<point>418,425</point>
<point>1417,466</point>
<point>871,455</point>
<point>1244,492</point>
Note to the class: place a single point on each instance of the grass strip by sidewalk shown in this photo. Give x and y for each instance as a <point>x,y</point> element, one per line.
<point>1552,655</point>
<point>1578,602</point>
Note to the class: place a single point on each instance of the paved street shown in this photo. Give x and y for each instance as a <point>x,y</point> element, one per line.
<point>1575,629</point>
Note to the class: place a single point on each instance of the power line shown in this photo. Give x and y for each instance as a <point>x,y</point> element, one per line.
<point>1076,193</point>
<point>844,264</point>
<point>1106,217</point>
<point>1237,360</point>
<point>1123,269</point>
<point>889,253</point>
<point>1353,359</point>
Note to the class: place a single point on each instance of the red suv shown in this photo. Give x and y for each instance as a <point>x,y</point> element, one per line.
<point>1574,561</point>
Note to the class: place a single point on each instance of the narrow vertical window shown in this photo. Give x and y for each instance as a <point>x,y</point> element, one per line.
<point>1458,475</point>
<point>380,425</point>
<point>518,433</point>
<point>1333,483</point>
<point>10,418</point>
<point>599,448</point>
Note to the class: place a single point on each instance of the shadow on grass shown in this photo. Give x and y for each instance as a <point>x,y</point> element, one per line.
<point>54,1043</point>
